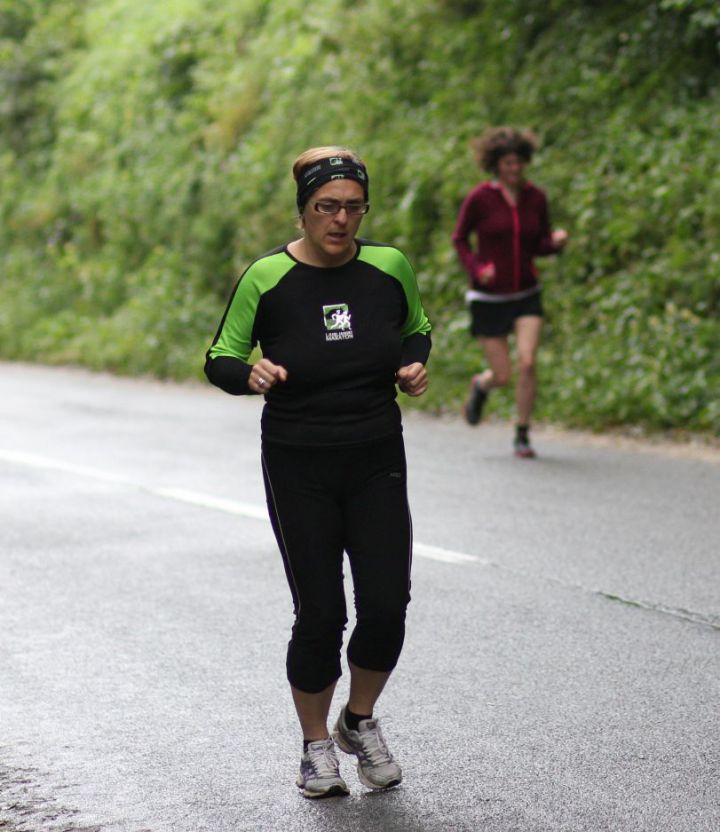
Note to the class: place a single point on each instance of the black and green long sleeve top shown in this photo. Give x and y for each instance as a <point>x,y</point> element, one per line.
<point>341,333</point>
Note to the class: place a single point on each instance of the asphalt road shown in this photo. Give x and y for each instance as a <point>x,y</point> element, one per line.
<point>562,665</point>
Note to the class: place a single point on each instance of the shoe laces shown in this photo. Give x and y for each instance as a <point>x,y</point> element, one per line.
<point>323,759</point>
<point>374,747</point>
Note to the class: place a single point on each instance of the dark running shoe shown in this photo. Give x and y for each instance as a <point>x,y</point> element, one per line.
<point>523,448</point>
<point>475,402</point>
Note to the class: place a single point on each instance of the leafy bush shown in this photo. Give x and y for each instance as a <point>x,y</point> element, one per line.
<point>145,153</point>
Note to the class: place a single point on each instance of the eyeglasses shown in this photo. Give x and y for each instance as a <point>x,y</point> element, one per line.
<point>331,207</point>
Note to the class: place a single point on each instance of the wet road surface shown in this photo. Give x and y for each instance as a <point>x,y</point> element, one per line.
<point>562,664</point>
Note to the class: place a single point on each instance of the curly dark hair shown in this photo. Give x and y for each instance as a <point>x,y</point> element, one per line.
<point>497,142</point>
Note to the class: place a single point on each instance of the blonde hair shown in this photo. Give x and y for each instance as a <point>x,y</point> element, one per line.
<point>314,154</point>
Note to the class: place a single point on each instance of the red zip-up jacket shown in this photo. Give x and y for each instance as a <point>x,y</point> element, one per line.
<point>507,237</point>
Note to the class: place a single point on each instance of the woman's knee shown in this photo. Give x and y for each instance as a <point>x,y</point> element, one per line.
<point>377,640</point>
<point>313,659</point>
<point>386,616</point>
<point>526,364</point>
<point>501,377</point>
<point>320,626</point>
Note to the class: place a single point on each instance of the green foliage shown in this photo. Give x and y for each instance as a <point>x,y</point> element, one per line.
<point>145,153</point>
<point>704,15</point>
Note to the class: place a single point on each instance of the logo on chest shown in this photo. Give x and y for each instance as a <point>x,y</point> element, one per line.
<point>338,326</point>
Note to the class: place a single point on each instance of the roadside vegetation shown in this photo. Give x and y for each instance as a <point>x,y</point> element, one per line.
<point>145,152</point>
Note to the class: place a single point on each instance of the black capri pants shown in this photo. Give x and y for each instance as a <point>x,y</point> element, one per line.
<point>323,502</point>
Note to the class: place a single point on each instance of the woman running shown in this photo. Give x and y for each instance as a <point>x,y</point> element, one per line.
<point>509,218</point>
<point>340,324</point>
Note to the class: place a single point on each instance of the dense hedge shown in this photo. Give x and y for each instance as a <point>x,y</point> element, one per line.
<point>145,152</point>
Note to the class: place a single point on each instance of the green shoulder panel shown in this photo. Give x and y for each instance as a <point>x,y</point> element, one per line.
<point>394,263</point>
<point>235,335</point>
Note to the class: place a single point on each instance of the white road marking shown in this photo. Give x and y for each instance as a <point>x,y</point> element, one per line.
<point>50,464</point>
<point>197,498</point>
<point>256,512</point>
<point>445,555</point>
<point>209,501</point>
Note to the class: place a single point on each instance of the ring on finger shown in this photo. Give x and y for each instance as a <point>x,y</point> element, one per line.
<point>261,382</point>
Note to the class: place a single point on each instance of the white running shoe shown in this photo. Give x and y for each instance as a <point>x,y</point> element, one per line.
<point>320,771</point>
<point>377,768</point>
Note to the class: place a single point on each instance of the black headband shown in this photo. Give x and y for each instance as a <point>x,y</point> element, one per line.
<point>319,173</point>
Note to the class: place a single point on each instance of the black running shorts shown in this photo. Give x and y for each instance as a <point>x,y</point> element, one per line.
<point>494,319</point>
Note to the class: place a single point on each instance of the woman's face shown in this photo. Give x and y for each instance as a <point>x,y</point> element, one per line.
<point>510,169</point>
<point>330,238</point>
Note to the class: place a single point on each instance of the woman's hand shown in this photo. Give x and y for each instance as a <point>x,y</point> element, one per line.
<point>560,238</point>
<point>485,273</point>
<point>265,375</point>
<point>412,379</point>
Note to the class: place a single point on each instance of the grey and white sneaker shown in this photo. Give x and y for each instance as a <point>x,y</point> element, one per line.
<point>376,767</point>
<point>320,771</point>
